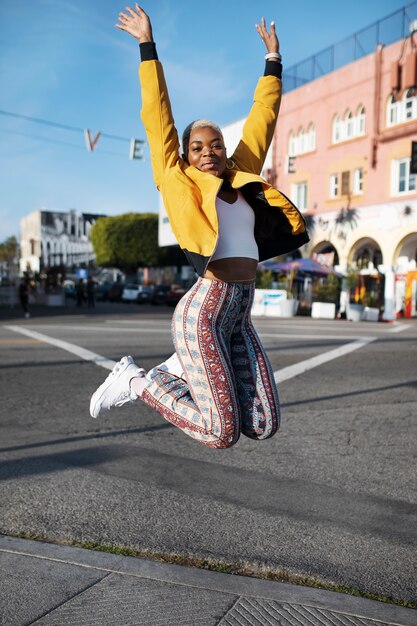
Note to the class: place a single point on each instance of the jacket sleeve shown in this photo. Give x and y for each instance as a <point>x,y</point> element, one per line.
<point>259,127</point>
<point>157,118</point>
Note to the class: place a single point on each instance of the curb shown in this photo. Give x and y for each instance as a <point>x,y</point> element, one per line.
<point>282,593</point>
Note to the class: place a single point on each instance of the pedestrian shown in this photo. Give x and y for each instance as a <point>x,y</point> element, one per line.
<point>219,382</point>
<point>80,292</point>
<point>91,293</point>
<point>24,296</point>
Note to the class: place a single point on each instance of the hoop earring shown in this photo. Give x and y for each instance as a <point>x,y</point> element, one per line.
<point>230,164</point>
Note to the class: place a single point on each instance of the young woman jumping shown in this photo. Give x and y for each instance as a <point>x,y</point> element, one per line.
<point>226,217</point>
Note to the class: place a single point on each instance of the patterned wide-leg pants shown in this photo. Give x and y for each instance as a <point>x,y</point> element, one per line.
<point>228,385</point>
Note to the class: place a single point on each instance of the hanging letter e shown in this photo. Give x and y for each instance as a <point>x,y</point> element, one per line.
<point>91,141</point>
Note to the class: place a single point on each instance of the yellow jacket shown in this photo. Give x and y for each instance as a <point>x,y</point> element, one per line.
<point>189,195</point>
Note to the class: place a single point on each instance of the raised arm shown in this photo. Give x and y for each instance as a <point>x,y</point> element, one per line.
<point>270,39</point>
<point>156,108</point>
<point>259,127</point>
<point>136,23</point>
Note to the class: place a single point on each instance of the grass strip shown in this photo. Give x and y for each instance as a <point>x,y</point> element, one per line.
<point>252,570</point>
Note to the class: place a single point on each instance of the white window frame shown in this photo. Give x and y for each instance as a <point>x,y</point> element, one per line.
<point>348,125</point>
<point>400,172</point>
<point>358,181</point>
<point>393,111</point>
<point>409,105</point>
<point>336,129</point>
<point>301,141</point>
<point>311,138</point>
<point>401,110</point>
<point>334,185</point>
<point>360,120</point>
<point>299,193</point>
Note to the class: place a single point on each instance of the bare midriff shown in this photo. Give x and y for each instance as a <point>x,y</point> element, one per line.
<point>235,269</point>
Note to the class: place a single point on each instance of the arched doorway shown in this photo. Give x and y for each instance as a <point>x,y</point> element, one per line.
<point>366,282</point>
<point>405,263</point>
<point>325,252</point>
<point>365,254</point>
<point>406,252</point>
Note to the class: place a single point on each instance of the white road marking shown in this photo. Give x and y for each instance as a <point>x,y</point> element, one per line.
<point>299,368</point>
<point>302,336</point>
<point>284,374</point>
<point>87,355</point>
<point>106,329</point>
<point>398,328</point>
<point>167,331</point>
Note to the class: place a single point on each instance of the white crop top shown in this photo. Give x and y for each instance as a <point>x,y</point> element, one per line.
<point>236,230</point>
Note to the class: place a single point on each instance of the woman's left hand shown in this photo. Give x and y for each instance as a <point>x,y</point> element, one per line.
<point>270,38</point>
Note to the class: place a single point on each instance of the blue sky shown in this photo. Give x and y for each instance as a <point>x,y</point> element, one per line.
<point>64,61</point>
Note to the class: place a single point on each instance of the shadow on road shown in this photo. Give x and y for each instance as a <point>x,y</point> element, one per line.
<point>392,520</point>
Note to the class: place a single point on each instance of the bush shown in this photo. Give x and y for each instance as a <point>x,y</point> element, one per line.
<point>328,291</point>
<point>264,279</point>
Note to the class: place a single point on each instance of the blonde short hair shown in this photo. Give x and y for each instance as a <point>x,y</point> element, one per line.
<point>197,124</point>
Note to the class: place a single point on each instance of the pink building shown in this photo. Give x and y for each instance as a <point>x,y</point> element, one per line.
<point>342,152</point>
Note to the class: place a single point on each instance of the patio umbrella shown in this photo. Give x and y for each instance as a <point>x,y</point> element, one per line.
<point>309,266</point>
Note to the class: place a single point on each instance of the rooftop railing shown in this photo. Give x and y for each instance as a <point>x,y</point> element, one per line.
<point>385,31</point>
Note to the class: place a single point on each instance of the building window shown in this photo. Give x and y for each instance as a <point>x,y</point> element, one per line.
<point>409,105</point>
<point>302,142</point>
<point>336,130</point>
<point>311,138</point>
<point>345,183</point>
<point>402,182</point>
<point>334,185</point>
<point>360,121</point>
<point>299,195</point>
<point>400,111</point>
<point>349,125</point>
<point>358,181</point>
<point>393,112</point>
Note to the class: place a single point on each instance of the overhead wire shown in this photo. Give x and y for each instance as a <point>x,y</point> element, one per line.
<point>38,120</point>
<point>56,141</point>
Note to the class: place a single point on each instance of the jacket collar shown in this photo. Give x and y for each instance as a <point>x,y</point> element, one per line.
<point>208,183</point>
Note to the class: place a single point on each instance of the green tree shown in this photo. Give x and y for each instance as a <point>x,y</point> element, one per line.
<point>130,241</point>
<point>9,250</point>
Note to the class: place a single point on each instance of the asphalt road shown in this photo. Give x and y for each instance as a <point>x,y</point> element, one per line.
<point>332,496</point>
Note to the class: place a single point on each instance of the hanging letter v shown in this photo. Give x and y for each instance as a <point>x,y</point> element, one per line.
<point>91,142</point>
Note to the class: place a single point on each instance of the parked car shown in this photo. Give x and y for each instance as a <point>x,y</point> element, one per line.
<point>159,294</point>
<point>69,288</point>
<point>130,292</point>
<point>144,295</point>
<point>102,290</point>
<point>175,294</point>
<point>114,294</point>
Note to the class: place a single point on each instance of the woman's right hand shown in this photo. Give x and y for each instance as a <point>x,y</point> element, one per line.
<point>136,23</point>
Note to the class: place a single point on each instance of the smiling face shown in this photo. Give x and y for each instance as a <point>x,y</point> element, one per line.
<point>206,151</point>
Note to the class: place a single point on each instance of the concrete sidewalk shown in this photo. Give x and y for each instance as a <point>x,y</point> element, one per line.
<point>52,584</point>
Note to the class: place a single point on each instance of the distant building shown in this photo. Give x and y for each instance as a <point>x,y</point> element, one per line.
<point>56,239</point>
<point>343,148</point>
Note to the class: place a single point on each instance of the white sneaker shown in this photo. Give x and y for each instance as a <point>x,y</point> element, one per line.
<point>115,391</point>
